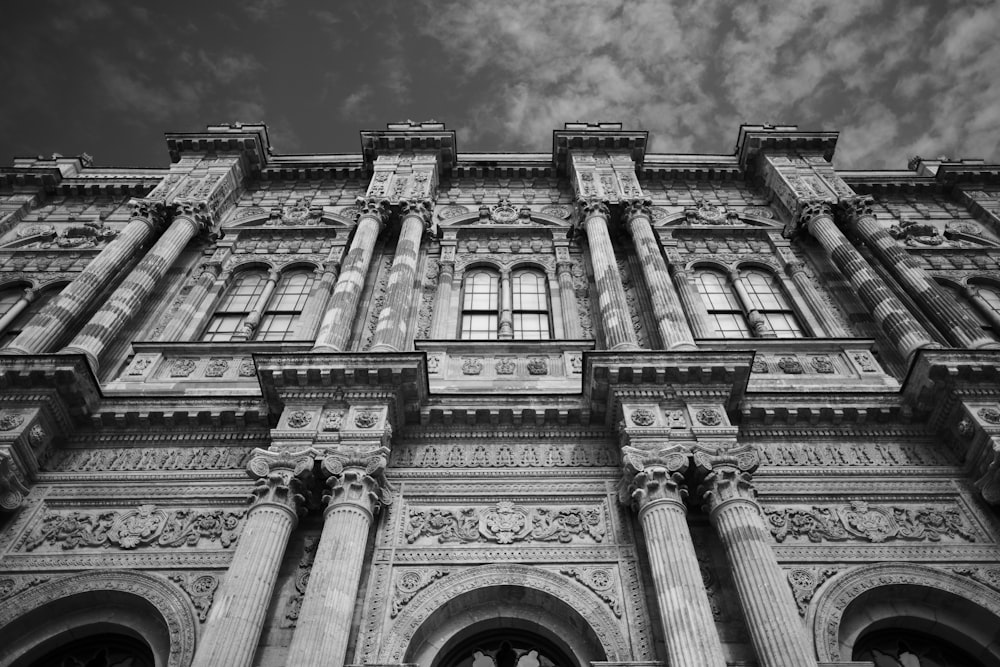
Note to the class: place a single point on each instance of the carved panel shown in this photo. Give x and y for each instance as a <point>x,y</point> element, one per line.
<point>861,521</point>
<point>505,523</point>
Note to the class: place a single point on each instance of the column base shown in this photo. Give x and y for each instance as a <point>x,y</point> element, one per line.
<point>323,348</point>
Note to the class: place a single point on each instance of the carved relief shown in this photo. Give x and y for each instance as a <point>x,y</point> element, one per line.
<point>10,421</point>
<point>853,454</point>
<point>409,583</point>
<point>873,523</point>
<point>299,419</point>
<point>804,582</point>
<point>601,581</point>
<point>294,605</point>
<point>506,523</point>
<point>516,455</point>
<point>149,458</point>
<point>200,588</point>
<point>182,368</point>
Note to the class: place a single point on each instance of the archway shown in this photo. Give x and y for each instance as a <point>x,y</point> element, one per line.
<point>117,609</point>
<point>896,607</point>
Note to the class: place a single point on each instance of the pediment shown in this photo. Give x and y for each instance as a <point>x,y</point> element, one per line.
<point>290,216</point>
<point>503,215</point>
<point>708,215</point>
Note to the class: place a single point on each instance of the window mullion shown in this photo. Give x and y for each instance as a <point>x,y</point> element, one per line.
<point>257,308</point>
<point>758,323</point>
<point>506,326</point>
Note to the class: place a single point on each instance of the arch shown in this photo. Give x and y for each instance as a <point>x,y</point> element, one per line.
<point>121,601</point>
<point>527,598</point>
<point>909,596</point>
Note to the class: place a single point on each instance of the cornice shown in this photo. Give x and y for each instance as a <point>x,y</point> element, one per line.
<point>249,141</point>
<point>602,137</point>
<point>755,139</point>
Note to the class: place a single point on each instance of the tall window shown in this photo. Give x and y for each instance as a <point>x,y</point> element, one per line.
<point>255,307</point>
<point>9,299</point>
<point>509,307</point>
<point>983,301</point>
<point>751,304</point>
<point>280,319</point>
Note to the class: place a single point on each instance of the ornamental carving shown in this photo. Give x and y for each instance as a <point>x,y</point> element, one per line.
<point>148,458</point>
<point>310,544</point>
<point>216,367</point>
<point>914,233</point>
<point>790,365</point>
<point>507,523</point>
<point>643,417</point>
<point>408,584</point>
<point>990,415</point>
<point>334,420</point>
<point>538,366</point>
<point>861,521</point>
<point>452,211</point>
<point>557,211</point>
<point>704,213</point>
<point>708,417</point>
<point>505,366</point>
<point>366,419</point>
<point>139,366</point>
<point>804,582</point>
<point>299,419</point>
<point>675,419</point>
<point>147,525</point>
<point>515,455</point>
<point>200,588</point>
<point>601,581</point>
<point>10,421</point>
<point>433,363</point>
<point>11,586</point>
<point>759,212</point>
<point>822,364</point>
<point>865,362</point>
<point>984,575</point>
<point>576,363</point>
<point>182,368</point>
<point>36,436</point>
<point>472,366</point>
<point>759,365</point>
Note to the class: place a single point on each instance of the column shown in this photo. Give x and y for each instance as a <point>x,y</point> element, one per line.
<point>234,624</point>
<point>658,490</point>
<point>256,312</point>
<point>174,330</point>
<point>616,321</point>
<point>691,300</point>
<point>130,296</point>
<point>772,618</point>
<point>442,301</point>
<point>758,323</point>
<point>357,490</point>
<point>820,323</point>
<point>670,320</point>
<point>335,330</point>
<point>505,330</point>
<point>45,328</point>
<point>16,309</point>
<point>390,331</point>
<point>969,291</point>
<point>319,298</point>
<point>892,316</point>
<point>567,298</point>
<point>961,329</point>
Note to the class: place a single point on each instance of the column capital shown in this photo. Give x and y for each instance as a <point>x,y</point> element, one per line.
<point>593,207</point>
<point>151,211</point>
<point>726,475</point>
<point>12,488</point>
<point>197,212</point>
<point>850,209</point>
<point>420,208</point>
<point>809,211</point>
<point>654,475</point>
<point>281,478</point>
<point>373,207</point>
<point>640,207</point>
<point>356,476</point>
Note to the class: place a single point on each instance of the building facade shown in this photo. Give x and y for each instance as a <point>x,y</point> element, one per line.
<point>590,406</point>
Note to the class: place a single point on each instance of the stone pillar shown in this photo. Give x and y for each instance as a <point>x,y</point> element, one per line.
<point>821,325</point>
<point>691,299</point>
<point>758,323</point>
<point>72,303</point>
<point>505,329</point>
<point>892,316</point>
<point>233,627</point>
<point>357,490</point>
<point>442,301</point>
<point>567,297</point>
<point>252,321</point>
<point>319,298</point>
<point>670,320</point>
<point>131,295</point>
<point>771,615</point>
<point>390,332</point>
<point>12,488</point>
<point>612,307</point>
<point>335,331</point>
<point>961,329</point>
<point>658,490</point>
<point>16,309</point>
<point>175,329</point>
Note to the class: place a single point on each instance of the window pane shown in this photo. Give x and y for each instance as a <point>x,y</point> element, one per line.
<point>479,326</point>
<point>764,293</point>
<point>715,291</point>
<point>731,325</point>
<point>284,309</point>
<point>480,305</point>
<point>784,325</point>
<point>222,327</point>
<point>531,326</point>
<point>991,296</point>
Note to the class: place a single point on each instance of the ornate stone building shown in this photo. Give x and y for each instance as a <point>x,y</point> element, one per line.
<point>590,406</point>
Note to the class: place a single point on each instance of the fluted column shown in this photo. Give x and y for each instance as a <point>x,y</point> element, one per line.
<point>73,302</point>
<point>892,316</point>
<point>17,308</point>
<point>175,329</point>
<point>252,321</point>
<point>233,627</point>
<point>567,300</point>
<point>771,615</point>
<point>130,296</point>
<point>674,331</point>
<point>442,301</point>
<point>319,298</point>
<point>611,304</point>
<point>335,331</point>
<point>691,299</point>
<point>357,490</point>
<point>821,323</point>
<point>390,332</point>
<point>961,329</point>
<point>658,490</point>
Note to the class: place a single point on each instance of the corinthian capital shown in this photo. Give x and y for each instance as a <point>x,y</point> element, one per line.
<point>640,207</point>
<point>281,479</point>
<point>373,208</point>
<point>357,477</point>
<point>195,211</point>
<point>153,211</point>
<point>654,474</point>
<point>850,209</point>
<point>592,207</point>
<point>422,209</point>
<point>12,489</point>
<point>726,475</point>
<point>810,210</point>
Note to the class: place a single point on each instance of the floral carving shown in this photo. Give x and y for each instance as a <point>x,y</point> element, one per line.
<point>366,419</point>
<point>915,233</point>
<point>433,363</point>
<point>11,586</point>
<point>557,211</point>
<point>334,420</point>
<point>505,366</point>
<point>301,581</point>
<point>576,363</point>
<point>506,523</point>
<point>299,419</point>
<point>139,366</point>
<point>860,521</point>
<point>36,436</point>
<point>538,366</point>
<point>147,525</point>
<point>601,581</point>
<point>822,364</point>
<point>704,213</point>
<point>643,417</point>
<point>790,365</point>
<point>182,368</point>
<point>759,365</point>
<point>247,369</point>
<point>990,415</point>
<point>675,419</point>
<point>865,362</point>
<point>11,421</point>
<point>452,211</point>
<point>804,582</point>
<point>200,588</point>
<point>472,366</point>
<point>216,367</point>
<point>708,417</point>
<point>408,584</point>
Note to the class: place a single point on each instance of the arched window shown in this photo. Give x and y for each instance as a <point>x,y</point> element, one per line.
<point>983,302</point>
<point>747,304</point>
<point>724,310</point>
<point>12,301</point>
<point>530,305</point>
<point>235,306</point>
<point>280,319</point>
<point>514,306</point>
<point>260,306</point>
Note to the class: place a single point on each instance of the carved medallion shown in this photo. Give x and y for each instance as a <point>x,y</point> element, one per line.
<point>299,419</point>
<point>708,417</point>
<point>538,366</point>
<point>11,421</point>
<point>36,436</point>
<point>643,417</point>
<point>790,365</point>
<point>472,366</point>
<point>558,211</point>
<point>182,368</point>
<point>990,414</point>
<point>822,364</point>
<point>505,366</point>
<point>366,419</point>
<point>216,367</point>
<point>246,369</point>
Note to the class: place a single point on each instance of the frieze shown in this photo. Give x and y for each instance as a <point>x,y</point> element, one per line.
<point>505,523</point>
<point>857,454</point>
<point>861,521</point>
<point>147,525</point>
<point>200,588</point>
<point>149,458</point>
<point>514,455</point>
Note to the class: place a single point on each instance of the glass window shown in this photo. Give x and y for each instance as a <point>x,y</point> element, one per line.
<point>11,296</point>
<point>480,305</point>
<point>767,297</point>
<point>531,308</point>
<point>724,310</point>
<point>730,316</point>
<point>280,319</point>
<point>990,296</point>
<point>989,300</point>
<point>235,306</point>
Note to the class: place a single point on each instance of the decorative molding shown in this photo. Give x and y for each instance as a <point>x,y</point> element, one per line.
<point>601,581</point>
<point>873,523</point>
<point>200,588</point>
<point>410,582</point>
<point>506,523</point>
<point>804,582</point>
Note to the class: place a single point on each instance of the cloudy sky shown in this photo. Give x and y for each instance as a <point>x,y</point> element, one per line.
<point>110,76</point>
